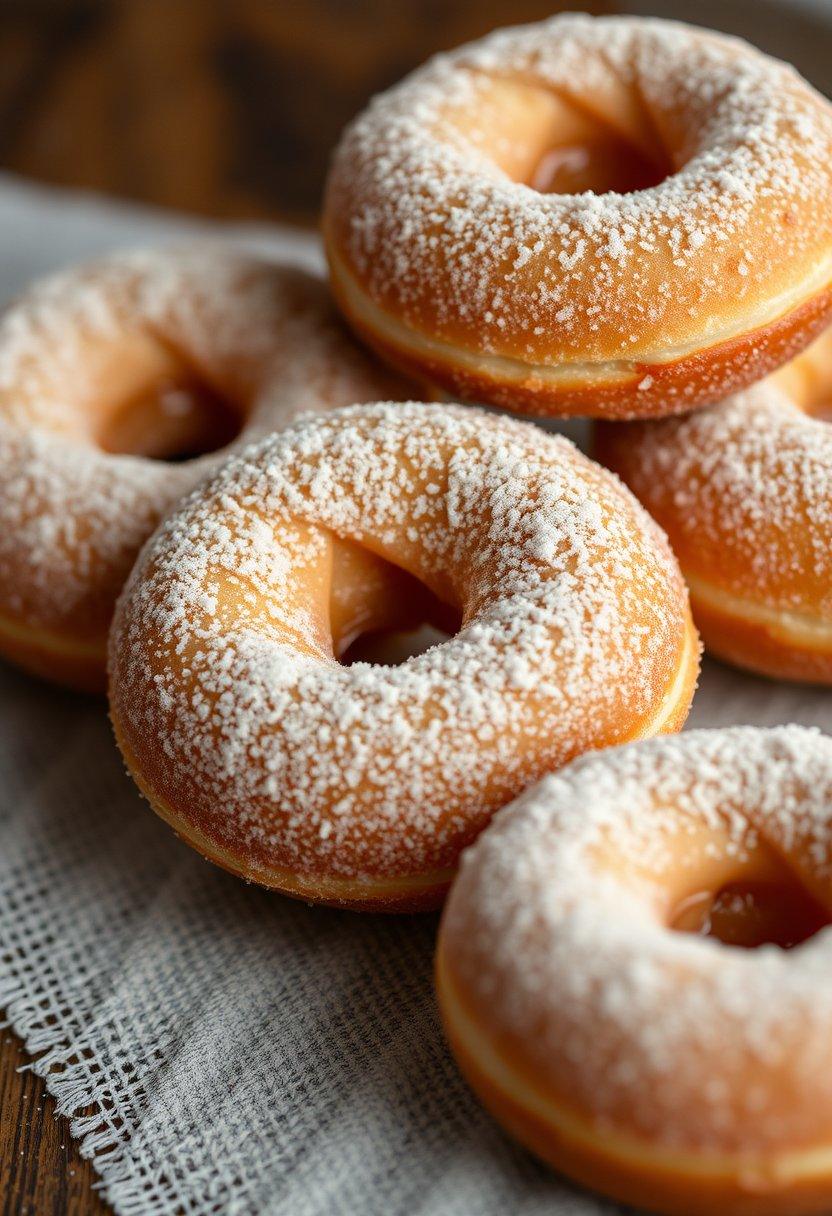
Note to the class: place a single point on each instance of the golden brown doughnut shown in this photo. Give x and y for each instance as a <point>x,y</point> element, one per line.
<point>360,784</point>
<point>106,372</point>
<point>744,491</point>
<point>614,217</point>
<point>671,1070</point>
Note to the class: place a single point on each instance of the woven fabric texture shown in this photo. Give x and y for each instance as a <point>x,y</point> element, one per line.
<point>219,1049</point>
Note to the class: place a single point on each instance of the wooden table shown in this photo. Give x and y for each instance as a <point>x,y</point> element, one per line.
<point>228,108</point>
<point>41,1173</point>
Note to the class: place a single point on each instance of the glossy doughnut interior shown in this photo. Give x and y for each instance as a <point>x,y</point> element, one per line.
<point>249,708</point>
<point>173,415</point>
<point>752,914</point>
<point>542,140</point>
<point>633,970</point>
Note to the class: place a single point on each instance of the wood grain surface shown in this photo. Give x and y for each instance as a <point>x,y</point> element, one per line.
<point>41,1173</point>
<point>227,108</point>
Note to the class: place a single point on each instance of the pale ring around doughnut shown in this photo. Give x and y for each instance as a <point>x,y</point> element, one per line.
<point>360,784</point>
<point>611,216</point>
<point>106,372</point>
<point>666,1069</point>
<point>744,491</point>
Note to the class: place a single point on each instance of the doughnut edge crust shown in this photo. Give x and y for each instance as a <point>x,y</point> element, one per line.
<point>421,893</point>
<point>633,391</point>
<point>600,1150</point>
<point>623,1168</point>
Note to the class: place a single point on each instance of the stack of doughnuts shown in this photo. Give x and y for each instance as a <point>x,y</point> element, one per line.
<point>212,496</point>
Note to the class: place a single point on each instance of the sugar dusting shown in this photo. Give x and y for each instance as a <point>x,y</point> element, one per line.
<point>439,232</point>
<point>684,1039</point>
<point>72,517</point>
<point>744,491</point>
<point>221,659</point>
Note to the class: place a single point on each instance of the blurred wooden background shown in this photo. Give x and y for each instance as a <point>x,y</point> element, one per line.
<point>224,107</point>
<point>228,108</point>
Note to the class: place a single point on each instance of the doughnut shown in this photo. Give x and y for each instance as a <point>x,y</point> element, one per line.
<point>611,217</point>
<point>109,372</point>
<point>615,980</point>
<point>249,729</point>
<point>744,491</point>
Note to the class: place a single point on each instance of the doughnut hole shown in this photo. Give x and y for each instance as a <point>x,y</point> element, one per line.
<point>175,419</point>
<point>751,898</point>
<point>381,614</point>
<point>807,380</point>
<point>546,142</point>
<point>144,399</point>
<point>749,913</point>
<point>601,164</point>
<point>391,647</point>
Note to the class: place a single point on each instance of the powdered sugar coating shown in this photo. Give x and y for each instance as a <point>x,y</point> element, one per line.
<point>745,491</point>
<point>440,237</point>
<point>73,517</point>
<point>238,720</point>
<point>666,1036</point>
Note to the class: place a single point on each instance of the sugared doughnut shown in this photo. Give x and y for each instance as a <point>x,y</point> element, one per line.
<point>108,372</point>
<point>604,216</point>
<point>744,491</point>
<point>665,1068</point>
<point>360,784</point>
